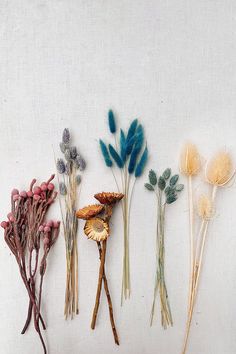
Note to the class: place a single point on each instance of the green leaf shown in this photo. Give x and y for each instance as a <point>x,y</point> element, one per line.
<point>171,198</point>
<point>174,180</point>
<point>152,177</point>
<point>166,174</point>
<point>149,187</point>
<point>161,183</point>
<point>179,187</point>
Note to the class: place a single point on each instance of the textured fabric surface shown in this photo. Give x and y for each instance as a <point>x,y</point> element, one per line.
<point>63,64</point>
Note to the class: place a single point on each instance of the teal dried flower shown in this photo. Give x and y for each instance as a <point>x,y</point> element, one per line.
<point>174,180</point>
<point>166,174</point>
<point>61,168</point>
<point>122,145</point>
<point>152,177</point>
<point>149,187</point>
<point>66,136</point>
<point>111,122</point>
<point>105,154</point>
<point>116,157</point>
<point>142,163</point>
<point>161,183</point>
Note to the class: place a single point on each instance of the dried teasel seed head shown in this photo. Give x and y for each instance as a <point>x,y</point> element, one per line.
<point>96,229</point>
<point>190,163</point>
<point>219,169</point>
<point>205,207</point>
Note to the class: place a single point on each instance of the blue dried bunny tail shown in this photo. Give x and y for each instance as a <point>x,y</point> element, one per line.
<point>105,153</point>
<point>131,136</point>
<point>142,163</point>
<point>122,145</point>
<point>136,149</point>
<point>111,122</point>
<point>116,157</point>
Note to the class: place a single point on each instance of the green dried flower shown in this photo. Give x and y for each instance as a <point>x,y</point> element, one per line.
<point>152,177</point>
<point>179,187</point>
<point>161,183</point>
<point>166,174</point>
<point>149,187</point>
<point>174,180</point>
<point>171,198</point>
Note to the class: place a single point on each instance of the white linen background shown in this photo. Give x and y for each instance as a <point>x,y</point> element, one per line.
<point>172,65</point>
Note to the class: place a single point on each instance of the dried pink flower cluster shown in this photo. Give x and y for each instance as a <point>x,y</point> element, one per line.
<point>24,232</point>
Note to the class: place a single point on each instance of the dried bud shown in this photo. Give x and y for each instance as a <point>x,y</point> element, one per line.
<point>63,147</point>
<point>78,179</point>
<point>66,136</point>
<point>29,194</point>
<point>51,186</point>
<point>23,194</point>
<point>4,224</point>
<point>15,197</point>
<point>47,229</point>
<point>37,197</point>
<point>37,190</point>
<point>41,228</point>
<point>73,152</point>
<point>44,187</point>
<point>56,224</point>
<point>61,166</point>
<point>14,192</point>
<point>80,163</point>
<point>49,223</point>
<point>62,188</point>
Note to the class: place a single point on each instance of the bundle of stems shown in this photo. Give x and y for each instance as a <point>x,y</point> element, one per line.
<point>23,233</point>
<point>69,181</point>
<point>97,228</point>
<point>218,173</point>
<point>129,156</point>
<point>166,190</point>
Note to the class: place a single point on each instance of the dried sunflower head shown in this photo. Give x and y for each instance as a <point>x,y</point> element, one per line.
<point>219,170</point>
<point>89,211</point>
<point>108,198</point>
<point>190,163</point>
<point>96,229</point>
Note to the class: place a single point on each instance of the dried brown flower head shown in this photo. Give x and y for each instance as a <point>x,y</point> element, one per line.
<point>219,170</point>
<point>108,198</point>
<point>190,160</point>
<point>96,229</point>
<point>89,211</point>
<point>205,207</point>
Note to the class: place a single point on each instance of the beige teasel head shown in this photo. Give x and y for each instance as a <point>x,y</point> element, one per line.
<point>190,162</point>
<point>205,207</point>
<point>219,170</point>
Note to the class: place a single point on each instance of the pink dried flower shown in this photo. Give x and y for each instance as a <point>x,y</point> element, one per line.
<point>23,194</point>
<point>41,228</point>
<point>51,186</point>
<point>56,224</point>
<point>37,197</point>
<point>47,229</point>
<point>37,190</point>
<point>4,224</point>
<point>44,187</point>
<point>30,194</point>
<point>15,197</point>
<point>14,192</point>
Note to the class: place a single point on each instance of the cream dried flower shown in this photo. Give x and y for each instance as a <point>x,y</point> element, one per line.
<point>219,170</point>
<point>190,163</point>
<point>96,229</point>
<point>205,207</point>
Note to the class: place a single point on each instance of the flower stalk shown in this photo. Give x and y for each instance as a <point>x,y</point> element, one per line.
<point>130,157</point>
<point>166,190</point>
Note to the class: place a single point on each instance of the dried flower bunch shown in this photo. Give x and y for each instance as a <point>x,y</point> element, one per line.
<point>219,171</point>
<point>25,232</point>
<point>69,180</point>
<point>166,190</point>
<point>96,228</point>
<point>130,156</point>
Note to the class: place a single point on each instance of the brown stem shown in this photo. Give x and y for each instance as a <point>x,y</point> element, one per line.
<point>99,287</point>
<point>108,299</point>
